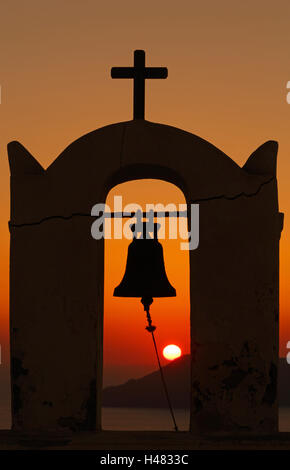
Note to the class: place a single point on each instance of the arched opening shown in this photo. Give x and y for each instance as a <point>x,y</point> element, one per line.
<point>133,398</point>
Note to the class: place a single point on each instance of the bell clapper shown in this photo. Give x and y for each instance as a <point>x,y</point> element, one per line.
<point>147,301</point>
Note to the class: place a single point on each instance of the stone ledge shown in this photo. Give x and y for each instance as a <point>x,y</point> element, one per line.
<point>141,440</point>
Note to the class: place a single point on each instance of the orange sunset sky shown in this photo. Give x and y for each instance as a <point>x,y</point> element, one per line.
<point>128,348</point>
<point>228,63</point>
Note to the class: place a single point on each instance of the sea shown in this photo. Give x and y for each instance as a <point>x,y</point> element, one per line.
<point>144,419</point>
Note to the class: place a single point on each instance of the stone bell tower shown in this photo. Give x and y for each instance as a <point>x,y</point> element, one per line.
<point>57,273</point>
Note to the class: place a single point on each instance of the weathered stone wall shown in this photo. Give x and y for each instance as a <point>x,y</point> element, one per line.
<point>234,302</point>
<point>56,276</point>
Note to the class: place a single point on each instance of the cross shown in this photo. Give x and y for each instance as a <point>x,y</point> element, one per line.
<point>139,73</point>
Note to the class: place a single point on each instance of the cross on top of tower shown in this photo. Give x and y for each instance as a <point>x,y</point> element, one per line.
<point>139,73</point>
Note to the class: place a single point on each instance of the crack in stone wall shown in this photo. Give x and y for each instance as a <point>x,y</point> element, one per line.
<point>195,201</point>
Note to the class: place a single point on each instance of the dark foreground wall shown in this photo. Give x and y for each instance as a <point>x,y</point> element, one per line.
<point>56,277</point>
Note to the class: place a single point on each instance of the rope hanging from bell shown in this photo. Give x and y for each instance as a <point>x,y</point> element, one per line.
<point>147,301</point>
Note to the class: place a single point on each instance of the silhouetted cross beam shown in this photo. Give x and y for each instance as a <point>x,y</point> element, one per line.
<point>139,73</point>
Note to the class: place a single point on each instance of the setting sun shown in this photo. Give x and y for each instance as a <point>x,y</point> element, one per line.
<point>171,352</point>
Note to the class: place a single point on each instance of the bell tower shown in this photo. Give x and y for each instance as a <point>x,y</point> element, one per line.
<point>234,273</point>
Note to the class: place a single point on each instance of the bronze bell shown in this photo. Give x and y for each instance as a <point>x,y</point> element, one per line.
<point>145,274</point>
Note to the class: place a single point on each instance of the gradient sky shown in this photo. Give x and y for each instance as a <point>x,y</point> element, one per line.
<point>228,62</point>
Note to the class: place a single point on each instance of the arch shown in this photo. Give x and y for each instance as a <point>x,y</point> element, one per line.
<point>132,319</point>
<point>144,171</point>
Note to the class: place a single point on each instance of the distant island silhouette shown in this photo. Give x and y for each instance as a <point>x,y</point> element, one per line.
<point>147,392</point>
